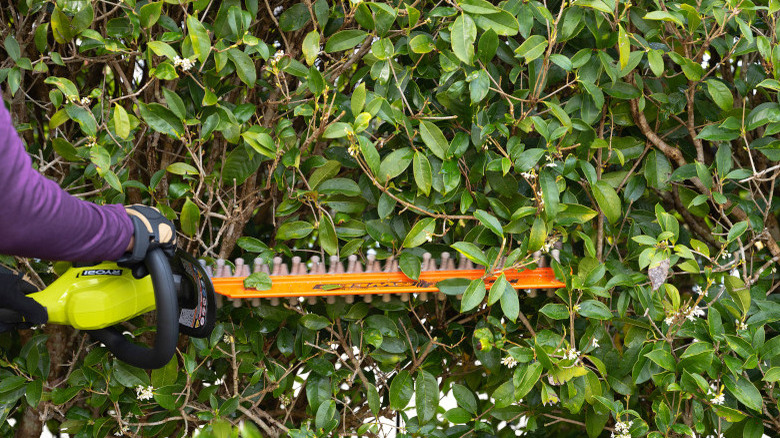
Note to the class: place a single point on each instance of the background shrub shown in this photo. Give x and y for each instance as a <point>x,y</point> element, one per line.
<point>641,136</point>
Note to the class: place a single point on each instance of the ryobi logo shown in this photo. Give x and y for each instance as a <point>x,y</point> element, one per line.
<point>89,272</point>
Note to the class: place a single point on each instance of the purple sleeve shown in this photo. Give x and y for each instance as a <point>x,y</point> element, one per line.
<point>39,219</point>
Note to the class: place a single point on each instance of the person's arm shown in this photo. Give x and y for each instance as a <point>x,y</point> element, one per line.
<point>39,219</point>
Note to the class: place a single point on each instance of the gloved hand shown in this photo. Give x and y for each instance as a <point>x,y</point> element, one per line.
<point>19,311</point>
<point>151,230</point>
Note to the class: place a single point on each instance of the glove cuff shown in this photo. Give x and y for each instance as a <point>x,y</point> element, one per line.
<point>140,247</point>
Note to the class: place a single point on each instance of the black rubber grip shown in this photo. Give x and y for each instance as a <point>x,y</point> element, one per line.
<point>167,321</point>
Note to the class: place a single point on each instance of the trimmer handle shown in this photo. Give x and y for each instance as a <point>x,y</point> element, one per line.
<point>167,320</point>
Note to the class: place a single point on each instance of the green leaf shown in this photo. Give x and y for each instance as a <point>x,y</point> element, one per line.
<point>487,47</point>
<point>471,252</point>
<point>595,310</point>
<point>60,396</point>
<point>422,173</point>
<point>772,375</point>
<point>426,396</point>
<point>608,201</point>
<point>294,230</point>
<point>182,169</point>
<point>433,138</point>
<point>663,359</point>
<point>358,99</point>
<point>744,391</point>
<point>537,236</point>
<point>252,244</point>
<point>61,26</point>
<point>327,236</point>
<point>478,7</point>
<point>420,233</point>
<point>473,296</point>
<point>465,398</point>
<point>624,46</point>
<point>504,395</point>
<point>479,86</point>
<point>12,48</point>
<point>490,222</point>
<point>656,61</point>
<point>339,186</point>
<point>344,40</point>
<point>337,130</point>
<point>720,94</point>
<point>326,413</point>
<point>149,14</point>
<point>550,193</point>
<point>510,303</point>
<point>66,86</point>
<point>528,380</point>
<point>401,390</point>
<point>497,289</point>
<point>245,68</point>
<point>190,217</point>
<point>737,230</point>
<point>372,395</point>
<point>395,163</point>
<point>532,48</point>
<point>422,43</point>
<point>201,42</point>
<point>739,292</point>
<point>463,34</point>
<point>663,16</point>
<point>410,265</point>
<point>162,49</point>
<point>161,119</point>
<point>324,172</point>
<point>314,322</point>
<point>311,47</point>
<point>121,121</point>
<point>502,23</point>
<point>294,18</point>
<point>555,311</point>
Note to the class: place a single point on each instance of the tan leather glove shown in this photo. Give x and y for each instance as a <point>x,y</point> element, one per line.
<point>151,230</point>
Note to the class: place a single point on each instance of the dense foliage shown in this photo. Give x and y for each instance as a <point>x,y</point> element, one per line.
<point>640,136</point>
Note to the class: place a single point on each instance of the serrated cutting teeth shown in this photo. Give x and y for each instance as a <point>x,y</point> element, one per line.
<point>302,282</point>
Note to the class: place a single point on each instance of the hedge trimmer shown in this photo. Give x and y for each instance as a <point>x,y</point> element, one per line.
<point>94,298</point>
<point>313,279</point>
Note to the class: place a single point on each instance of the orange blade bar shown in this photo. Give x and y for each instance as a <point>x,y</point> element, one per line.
<point>376,283</point>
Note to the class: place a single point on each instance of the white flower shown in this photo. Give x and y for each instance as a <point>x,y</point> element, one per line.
<point>696,289</point>
<point>227,338</point>
<point>571,354</point>
<point>551,164</point>
<point>577,307</point>
<point>334,346</point>
<point>715,396</point>
<point>741,325</point>
<point>219,381</point>
<point>278,11</point>
<point>183,63</point>
<point>509,362</point>
<point>622,430</point>
<point>277,44</point>
<point>595,343</point>
<point>85,101</point>
<point>123,429</point>
<point>144,393</point>
<point>694,312</point>
<point>669,320</point>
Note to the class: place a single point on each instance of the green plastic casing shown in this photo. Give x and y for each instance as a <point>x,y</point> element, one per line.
<point>95,297</point>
